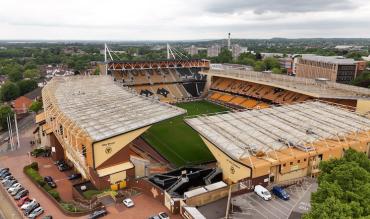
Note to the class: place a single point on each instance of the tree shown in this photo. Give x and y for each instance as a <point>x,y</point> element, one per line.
<point>9,91</point>
<point>32,73</point>
<point>276,70</point>
<point>26,86</point>
<point>344,188</point>
<point>259,66</point>
<point>15,76</point>
<point>4,112</point>
<point>36,106</point>
<point>225,56</point>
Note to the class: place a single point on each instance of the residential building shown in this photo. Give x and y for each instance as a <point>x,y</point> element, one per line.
<point>21,105</point>
<point>214,50</point>
<point>192,50</point>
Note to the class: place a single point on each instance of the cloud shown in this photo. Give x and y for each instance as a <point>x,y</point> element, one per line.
<point>283,6</point>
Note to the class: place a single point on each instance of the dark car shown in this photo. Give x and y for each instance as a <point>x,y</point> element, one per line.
<point>49,180</point>
<point>30,208</point>
<point>74,176</point>
<point>48,217</point>
<point>154,217</point>
<point>98,214</point>
<point>21,194</point>
<point>63,167</point>
<point>59,162</point>
<point>5,174</point>
<point>280,192</point>
<point>4,170</point>
<point>9,183</point>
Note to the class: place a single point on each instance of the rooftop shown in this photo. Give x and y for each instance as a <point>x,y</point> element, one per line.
<point>244,134</point>
<point>104,109</point>
<point>329,59</point>
<point>306,86</point>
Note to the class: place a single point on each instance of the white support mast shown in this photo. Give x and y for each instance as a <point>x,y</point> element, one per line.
<point>16,129</point>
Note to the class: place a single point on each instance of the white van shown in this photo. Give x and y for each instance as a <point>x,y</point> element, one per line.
<point>262,192</point>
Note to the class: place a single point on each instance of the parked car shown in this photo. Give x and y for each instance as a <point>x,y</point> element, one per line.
<point>48,217</point>
<point>63,167</point>
<point>38,211</point>
<point>49,180</point>
<point>74,176</point>
<point>23,200</point>
<point>59,162</point>
<point>25,205</point>
<point>3,170</point>
<point>9,183</point>
<point>7,178</point>
<point>98,214</point>
<point>13,187</point>
<point>262,192</point>
<point>280,192</point>
<point>5,174</point>
<point>31,208</point>
<point>16,190</point>
<point>163,215</point>
<point>21,194</point>
<point>128,202</point>
<point>154,217</point>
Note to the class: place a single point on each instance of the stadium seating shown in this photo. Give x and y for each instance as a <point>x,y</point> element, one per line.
<point>256,91</point>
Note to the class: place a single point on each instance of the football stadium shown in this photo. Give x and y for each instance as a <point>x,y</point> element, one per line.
<point>178,129</point>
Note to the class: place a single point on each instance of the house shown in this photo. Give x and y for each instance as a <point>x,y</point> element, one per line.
<point>21,105</point>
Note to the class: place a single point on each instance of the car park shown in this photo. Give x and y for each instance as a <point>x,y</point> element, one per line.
<point>25,205</point>
<point>23,200</point>
<point>31,208</point>
<point>280,193</point>
<point>21,194</point>
<point>98,214</point>
<point>163,215</point>
<point>128,202</point>
<point>38,211</point>
<point>49,180</point>
<point>262,192</point>
<point>74,176</point>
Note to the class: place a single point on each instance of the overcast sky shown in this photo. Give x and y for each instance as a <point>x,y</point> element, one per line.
<point>182,19</point>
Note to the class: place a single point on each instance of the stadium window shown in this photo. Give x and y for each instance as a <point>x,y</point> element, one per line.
<point>84,150</point>
<point>305,159</point>
<point>61,130</point>
<point>299,161</point>
<point>291,163</point>
<point>284,165</point>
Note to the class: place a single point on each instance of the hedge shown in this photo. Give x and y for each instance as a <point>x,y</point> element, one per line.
<point>90,193</point>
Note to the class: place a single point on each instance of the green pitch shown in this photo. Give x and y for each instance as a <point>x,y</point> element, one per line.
<point>179,143</point>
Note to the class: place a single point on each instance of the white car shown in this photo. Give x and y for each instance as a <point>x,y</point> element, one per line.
<point>16,190</point>
<point>163,215</point>
<point>16,185</point>
<point>128,202</point>
<point>25,205</point>
<point>262,192</point>
<point>38,211</point>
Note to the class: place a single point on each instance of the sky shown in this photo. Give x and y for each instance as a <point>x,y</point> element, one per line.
<point>182,19</point>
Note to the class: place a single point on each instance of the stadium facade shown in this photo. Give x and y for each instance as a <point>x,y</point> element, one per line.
<point>92,122</point>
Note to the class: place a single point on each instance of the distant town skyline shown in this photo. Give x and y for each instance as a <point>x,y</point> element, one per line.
<point>183,20</point>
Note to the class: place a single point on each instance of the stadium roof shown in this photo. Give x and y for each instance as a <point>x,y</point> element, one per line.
<point>104,109</point>
<point>244,134</point>
<point>311,87</point>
